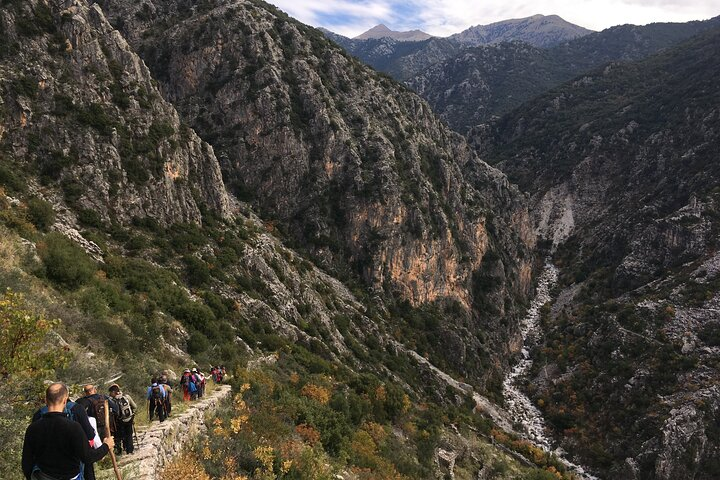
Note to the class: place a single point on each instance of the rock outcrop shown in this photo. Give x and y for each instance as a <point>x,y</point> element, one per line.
<point>81,108</point>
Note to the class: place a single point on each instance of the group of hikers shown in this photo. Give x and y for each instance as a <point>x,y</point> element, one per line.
<point>66,438</point>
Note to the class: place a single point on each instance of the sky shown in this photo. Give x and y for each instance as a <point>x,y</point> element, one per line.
<point>442,18</point>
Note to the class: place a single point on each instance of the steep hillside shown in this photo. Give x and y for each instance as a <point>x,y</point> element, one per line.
<point>382,31</point>
<point>355,168</point>
<point>623,171</point>
<point>82,110</point>
<point>538,30</point>
<point>479,84</point>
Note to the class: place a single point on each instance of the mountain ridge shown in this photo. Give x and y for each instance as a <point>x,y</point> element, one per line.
<point>382,31</point>
<point>481,83</point>
<point>537,30</point>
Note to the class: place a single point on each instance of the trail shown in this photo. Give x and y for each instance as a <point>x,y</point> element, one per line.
<point>160,442</point>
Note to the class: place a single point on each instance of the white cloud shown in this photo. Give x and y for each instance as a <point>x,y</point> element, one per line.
<point>445,17</point>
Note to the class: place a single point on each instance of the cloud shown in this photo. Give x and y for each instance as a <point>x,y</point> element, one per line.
<point>345,17</point>
<point>446,17</point>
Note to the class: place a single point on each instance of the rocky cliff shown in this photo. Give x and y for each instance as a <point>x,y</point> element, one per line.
<point>348,166</point>
<point>355,168</point>
<point>621,165</point>
<point>81,108</point>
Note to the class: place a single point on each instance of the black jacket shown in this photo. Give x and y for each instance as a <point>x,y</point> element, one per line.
<point>57,445</point>
<point>80,417</point>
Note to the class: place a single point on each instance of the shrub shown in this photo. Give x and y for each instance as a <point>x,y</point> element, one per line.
<point>23,332</point>
<point>197,343</point>
<point>40,213</point>
<point>94,116</point>
<point>26,86</point>
<point>197,271</point>
<point>90,218</point>
<point>66,264</point>
<point>10,178</point>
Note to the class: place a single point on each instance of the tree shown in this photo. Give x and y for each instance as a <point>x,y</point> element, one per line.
<point>23,333</point>
<point>24,363</point>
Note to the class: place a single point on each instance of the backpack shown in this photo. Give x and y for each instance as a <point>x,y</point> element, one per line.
<point>98,404</point>
<point>68,410</point>
<point>192,388</point>
<point>126,412</point>
<point>156,393</point>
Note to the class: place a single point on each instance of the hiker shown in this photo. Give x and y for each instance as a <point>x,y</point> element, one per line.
<point>213,374</point>
<point>168,394</point>
<point>196,381</point>
<point>125,421</point>
<point>201,382</point>
<point>94,404</point>
<point>76,412</point>
<point>56,447</point>
<point>156,401</point>
<point>187,382</point>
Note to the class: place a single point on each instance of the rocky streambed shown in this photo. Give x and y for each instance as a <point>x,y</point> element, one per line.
<point>518,405</point>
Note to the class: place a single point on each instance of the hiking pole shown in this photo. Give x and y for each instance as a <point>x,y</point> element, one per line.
<point>107,433</point>
<point>137,442</point>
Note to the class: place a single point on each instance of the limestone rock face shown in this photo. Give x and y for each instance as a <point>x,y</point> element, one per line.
<point>81,108</point>
<point>355,168</point>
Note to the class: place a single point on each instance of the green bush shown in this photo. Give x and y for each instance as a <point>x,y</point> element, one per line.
<point>197,343</point>
<point>10,179</point>
<point>90,218</point>
<point>94,116</point>
<point>197,271</point>
<point>66,264</point>
<point>40,213</point>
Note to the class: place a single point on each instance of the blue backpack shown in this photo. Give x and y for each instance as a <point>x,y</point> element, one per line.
<point>192,388</point>
<point>68,410</point>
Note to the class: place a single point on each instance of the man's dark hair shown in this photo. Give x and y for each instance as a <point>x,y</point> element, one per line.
<point>114,388</point>
<point>55,393</point>
<point>88,389</point>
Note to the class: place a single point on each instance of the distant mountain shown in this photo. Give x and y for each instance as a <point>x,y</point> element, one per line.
<point>481,83</point>
<point>538,30</point>
<point>402,60</point>
<point>381,31</point>
<point>622,169</point>
<point>403,56</point>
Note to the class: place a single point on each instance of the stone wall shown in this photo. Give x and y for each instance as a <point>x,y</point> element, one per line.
<point>160,442</point>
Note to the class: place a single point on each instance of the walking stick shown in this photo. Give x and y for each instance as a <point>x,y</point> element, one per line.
<point>107,432</point>
<point>137,442</point>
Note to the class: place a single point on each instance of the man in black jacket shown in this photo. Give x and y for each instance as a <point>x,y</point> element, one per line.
<point>55,446</point>
<point>75,411</point>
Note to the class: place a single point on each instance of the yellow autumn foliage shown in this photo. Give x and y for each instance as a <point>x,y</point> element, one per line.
<point>316,392</point>
<point>185,467</point>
